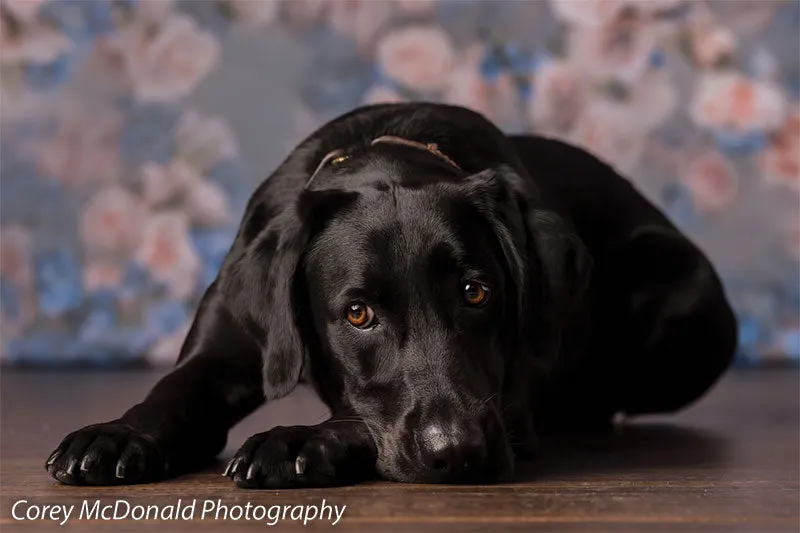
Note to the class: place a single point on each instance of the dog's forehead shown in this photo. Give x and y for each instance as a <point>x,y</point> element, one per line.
<point>387,228</point>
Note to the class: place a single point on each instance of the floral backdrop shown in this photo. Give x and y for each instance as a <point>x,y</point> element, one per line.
<point>133,132</point>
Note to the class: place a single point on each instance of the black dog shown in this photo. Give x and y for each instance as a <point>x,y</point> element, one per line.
<point>450,291</point>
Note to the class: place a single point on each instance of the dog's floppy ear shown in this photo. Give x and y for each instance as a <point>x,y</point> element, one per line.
<point>261,283</point>
<point>550,264</point>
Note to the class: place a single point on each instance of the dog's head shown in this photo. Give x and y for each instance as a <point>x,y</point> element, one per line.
<point>414,294</point>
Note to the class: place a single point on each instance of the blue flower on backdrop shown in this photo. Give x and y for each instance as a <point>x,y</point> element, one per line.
<point>58,279</point>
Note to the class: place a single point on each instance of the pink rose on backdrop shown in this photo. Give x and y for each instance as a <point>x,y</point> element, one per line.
<point>416,7</point>
<point>620,49</point>
<point>84,148</point>
<point>166,61</point>
<point>467,87</point>
<point>101,274</point>
<point>587,13</point>
<point>559,95</point>
<point>154,11</point>
<point>167,252</point>
<point>362,19</point>
<point>380,94</point>
<point>780,162</point>
<point>711,180</point>
<point>304,12</point>
<point>36,43</point>
<point>202,141</point>
<point>255,13</point>
<point>206,203</point>
<point>730,100</point>
<point>167,349</point>
<point>163,184</point>
<point>112,220</point>
<point>24,11</point>
<point>606,129</point>
<point>652,100</point>
<point>16,264</point>
<point>420,57</point>
<point>712,44</point>
<point>180,184</point>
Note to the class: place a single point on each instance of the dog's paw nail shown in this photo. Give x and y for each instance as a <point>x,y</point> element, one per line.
<point>70,470</point>
<point>227,471</point>
<point>85,464</point>
<point>252,471</point>
<point>300,465</point>
<point>235,464</point>
<point>120,471</point>
<point>52,459</point>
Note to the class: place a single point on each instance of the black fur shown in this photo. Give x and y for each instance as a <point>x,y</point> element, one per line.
<point>597,305</point>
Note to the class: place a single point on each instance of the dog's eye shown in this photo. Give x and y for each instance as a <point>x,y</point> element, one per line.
<point>476,293</point>
<point>360,315</point>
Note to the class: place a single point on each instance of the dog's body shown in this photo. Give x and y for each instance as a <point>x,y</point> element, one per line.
<point>498,286</point>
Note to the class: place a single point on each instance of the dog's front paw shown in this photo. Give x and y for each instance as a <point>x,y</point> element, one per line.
<point>301,456</point>
<point>106,454</point>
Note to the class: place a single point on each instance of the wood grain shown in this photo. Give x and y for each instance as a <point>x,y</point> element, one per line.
<point>729,463</point>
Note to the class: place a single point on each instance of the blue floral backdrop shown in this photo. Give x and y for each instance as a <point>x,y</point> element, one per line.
<point>133,132</point>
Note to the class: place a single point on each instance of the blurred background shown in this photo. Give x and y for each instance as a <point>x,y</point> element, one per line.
<point>134,131</point>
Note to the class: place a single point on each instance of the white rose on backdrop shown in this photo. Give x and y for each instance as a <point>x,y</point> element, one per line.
<point>421,58</point>
<point>165,62</point>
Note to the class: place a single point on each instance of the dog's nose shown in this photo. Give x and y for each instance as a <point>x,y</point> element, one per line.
<point>451,452</point>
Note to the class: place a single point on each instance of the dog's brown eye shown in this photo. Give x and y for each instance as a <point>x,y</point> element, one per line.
<point>476,293</point>
<point>360,315</point>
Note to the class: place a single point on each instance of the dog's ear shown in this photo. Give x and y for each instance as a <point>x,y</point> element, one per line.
<point>550,264</point>
<point>262,283</point>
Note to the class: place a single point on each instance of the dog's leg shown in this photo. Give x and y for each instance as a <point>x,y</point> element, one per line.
<point>184,421</point>
<point>339,451</point>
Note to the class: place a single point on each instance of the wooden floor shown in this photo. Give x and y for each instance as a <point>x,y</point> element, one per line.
<point>730,463</point>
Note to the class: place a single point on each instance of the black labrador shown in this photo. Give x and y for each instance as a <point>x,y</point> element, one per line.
<point>451,292</point>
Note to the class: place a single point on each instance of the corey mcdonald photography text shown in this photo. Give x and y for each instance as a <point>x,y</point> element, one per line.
<point>193,509</point>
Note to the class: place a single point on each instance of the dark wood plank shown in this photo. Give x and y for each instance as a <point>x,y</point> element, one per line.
<point>730,463</point>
